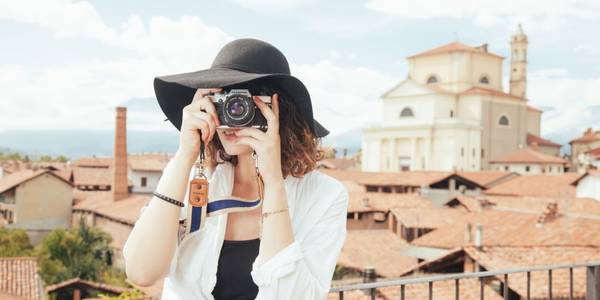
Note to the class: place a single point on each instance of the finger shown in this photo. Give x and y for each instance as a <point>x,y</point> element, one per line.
<point>250,141</point>
<point>251,132</point>
<point>272,122</point>
<point>208,119</point>
<point>202,125</point>
<point>207,104</point>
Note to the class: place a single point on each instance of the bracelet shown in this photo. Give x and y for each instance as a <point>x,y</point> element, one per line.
<point>268,213</point>
<point>170,200</point>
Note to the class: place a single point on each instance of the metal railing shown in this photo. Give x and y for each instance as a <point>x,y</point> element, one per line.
<point>592,281</point>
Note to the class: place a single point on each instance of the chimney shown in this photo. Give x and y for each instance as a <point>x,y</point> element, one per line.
<point>478,236</point>
<point>369,275</point>
<point>549,214</point>
<point>119,182</point>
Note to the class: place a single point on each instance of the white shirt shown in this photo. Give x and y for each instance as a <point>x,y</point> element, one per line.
<point>317,205</point>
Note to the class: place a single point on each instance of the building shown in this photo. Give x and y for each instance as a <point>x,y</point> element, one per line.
<point>585,151</point>
<point>588,186</point>
<point>529,161</point>
<point>37,200</point>
<point>451,112</point>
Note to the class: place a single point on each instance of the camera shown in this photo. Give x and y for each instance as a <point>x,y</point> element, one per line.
<point>235,108</point>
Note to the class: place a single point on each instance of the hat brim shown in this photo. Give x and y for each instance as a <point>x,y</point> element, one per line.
<point>176,91</point>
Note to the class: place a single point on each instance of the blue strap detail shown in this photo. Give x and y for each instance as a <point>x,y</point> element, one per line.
<point>196,218</point>
<point>229,203</point>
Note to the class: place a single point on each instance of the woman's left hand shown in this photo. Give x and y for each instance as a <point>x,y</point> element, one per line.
<point>266,144</point>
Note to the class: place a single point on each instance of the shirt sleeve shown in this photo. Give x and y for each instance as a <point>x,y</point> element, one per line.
<point>304,269</point>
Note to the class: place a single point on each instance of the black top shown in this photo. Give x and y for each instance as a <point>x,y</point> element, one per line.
<point>233,273</point>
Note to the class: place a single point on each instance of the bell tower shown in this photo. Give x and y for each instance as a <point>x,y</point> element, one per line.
<point>518,63</point>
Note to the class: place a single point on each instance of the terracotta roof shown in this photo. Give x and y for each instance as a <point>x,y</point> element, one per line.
<point>154,162</point>
<point>428,217</point>
<point>383,202</point>
<point>487,178</point>
<point>338,163</point>
<point>532,138</point>
<point>19,277</point>
<point>12,165</point>
<point>487,91</point>
<point>100,162</point>
<point>454,47</point>
<point>19,177</point>
<point>503,257</point>
<point>531,108</point>
<point>469,203</point>
<point>94,176</point>
<point>587,137</point>
<point>571,206</point>
<point>529,156</point>
<point>407,178</point>
<point>378,248</point>
<point>509,228</point>
<point>90,284</point>
<point>540,185</point>
<point>126,210</point>
<point>594,152</point>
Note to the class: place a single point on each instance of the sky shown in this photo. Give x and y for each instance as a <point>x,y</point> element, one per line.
<point>66,64</point>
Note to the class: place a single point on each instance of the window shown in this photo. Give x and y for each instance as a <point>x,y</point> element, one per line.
<point>473,152</point>
<point>482,153</point>
<point>484,79</point>
<point>451,114</point>
<point>462,151</point>
<point>144,181</point>
<point>503,121</point>
<point>527,168</point>
<point>432,79</point>
<point>505,168</point>
<point>406,112</point>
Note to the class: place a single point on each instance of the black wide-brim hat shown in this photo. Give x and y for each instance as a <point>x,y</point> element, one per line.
<point>239,61</point>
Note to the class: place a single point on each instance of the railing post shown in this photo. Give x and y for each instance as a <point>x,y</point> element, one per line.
<point>593,283</point>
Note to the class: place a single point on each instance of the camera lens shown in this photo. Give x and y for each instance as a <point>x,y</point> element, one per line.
<point>239,110</point>
<point>236,109</point>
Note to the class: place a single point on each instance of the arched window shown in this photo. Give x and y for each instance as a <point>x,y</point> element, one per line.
<point>503,121</point>
<point>432,79</point>
<point>484,79</point>
<point>406,112</point>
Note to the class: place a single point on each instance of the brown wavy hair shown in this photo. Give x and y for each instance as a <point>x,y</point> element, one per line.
<point>300,148</point>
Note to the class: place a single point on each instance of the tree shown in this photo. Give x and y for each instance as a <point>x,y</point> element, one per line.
<point>14,242</point>
<point>77,252</point>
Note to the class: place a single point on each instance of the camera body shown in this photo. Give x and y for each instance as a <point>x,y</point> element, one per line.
<point>235,108</point>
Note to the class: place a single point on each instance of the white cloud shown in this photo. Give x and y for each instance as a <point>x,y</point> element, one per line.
<point>570,97</point>
<point>271,6</point>
<point>84,95</point>
<point>344,98</point>
<point>489,12</point>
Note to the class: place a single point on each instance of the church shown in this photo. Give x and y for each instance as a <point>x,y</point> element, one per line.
<point>451,112</point>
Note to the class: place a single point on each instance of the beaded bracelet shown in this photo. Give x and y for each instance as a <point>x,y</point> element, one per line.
<point>170,200</point>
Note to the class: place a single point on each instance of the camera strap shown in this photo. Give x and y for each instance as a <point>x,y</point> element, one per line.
<point>200,207</point>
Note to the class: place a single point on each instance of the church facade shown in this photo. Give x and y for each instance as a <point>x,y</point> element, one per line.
<point>451,112</point>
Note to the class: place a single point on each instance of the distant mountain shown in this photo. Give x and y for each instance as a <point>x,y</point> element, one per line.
<point>77,143</point>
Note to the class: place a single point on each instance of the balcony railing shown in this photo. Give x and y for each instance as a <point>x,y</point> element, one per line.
<point>592,281</point>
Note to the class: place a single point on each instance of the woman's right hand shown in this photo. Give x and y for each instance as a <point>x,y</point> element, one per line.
<point>199,120</point>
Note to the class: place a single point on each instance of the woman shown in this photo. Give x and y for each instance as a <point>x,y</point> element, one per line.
<point>286,247</point>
